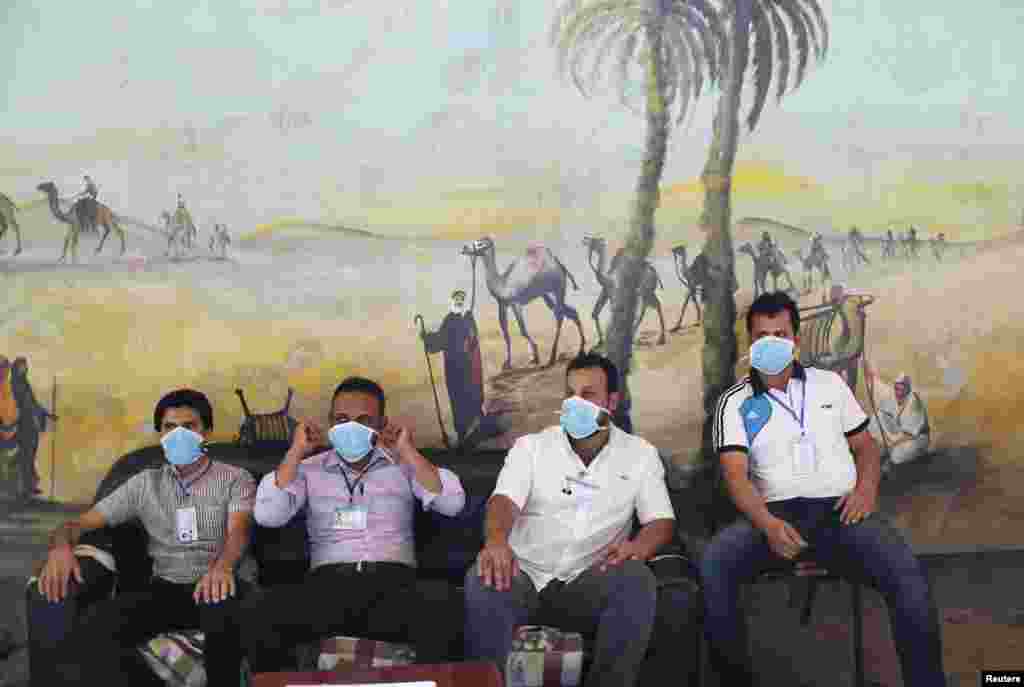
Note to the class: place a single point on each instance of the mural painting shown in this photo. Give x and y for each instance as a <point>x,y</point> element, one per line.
<point>456,198</point>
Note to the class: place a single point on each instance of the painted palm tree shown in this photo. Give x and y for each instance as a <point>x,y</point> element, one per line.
<point>665,53</point>
<point>776,40</point>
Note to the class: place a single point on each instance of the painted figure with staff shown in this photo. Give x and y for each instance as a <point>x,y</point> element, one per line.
<point>459,340</point>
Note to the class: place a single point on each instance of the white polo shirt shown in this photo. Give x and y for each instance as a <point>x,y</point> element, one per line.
<point>754,420</point>
<point>559,534</point>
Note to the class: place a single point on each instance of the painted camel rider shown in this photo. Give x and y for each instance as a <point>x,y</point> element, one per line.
<point>766,248</point>
<point>857,244</point>
<point>817,244</point>
<point>459,339</point>
<point>86,206</point>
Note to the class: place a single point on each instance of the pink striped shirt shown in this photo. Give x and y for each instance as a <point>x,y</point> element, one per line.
<point>388,490</point>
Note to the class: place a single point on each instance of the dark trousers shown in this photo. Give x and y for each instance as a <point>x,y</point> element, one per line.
<point>106,638</point>
<point>615,606</point>
<point>51,623</point>
<point>384,601</point>
<point>872,552</point>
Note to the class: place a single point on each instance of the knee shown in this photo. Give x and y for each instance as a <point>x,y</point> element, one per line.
<point>637,583</point>
<point>436,594</point>
<point>475,590</point>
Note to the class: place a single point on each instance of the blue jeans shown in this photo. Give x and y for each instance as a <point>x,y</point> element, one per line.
<point>872,552</point>
<point>617,607</point>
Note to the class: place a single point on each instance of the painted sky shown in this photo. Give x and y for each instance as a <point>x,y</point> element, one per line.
<point>467,90</point>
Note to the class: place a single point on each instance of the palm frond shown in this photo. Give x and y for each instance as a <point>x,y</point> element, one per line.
<point>791,9</point>
<point>683,76</point>
<point>712,28</point>
<point>563,12</point>
<point>820,25</point>
<point>782,43</point>
<point>762,62</point>
<point>606,46</point>
<point>627,56</point>
<point>810,24</point>
<point>687,39</point>
<point>587,33</point>
<point>577,49</point>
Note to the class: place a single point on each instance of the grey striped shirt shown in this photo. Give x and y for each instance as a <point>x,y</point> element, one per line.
<point>153,497</point>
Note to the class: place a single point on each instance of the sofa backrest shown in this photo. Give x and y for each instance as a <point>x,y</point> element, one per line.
<point>445,547</point>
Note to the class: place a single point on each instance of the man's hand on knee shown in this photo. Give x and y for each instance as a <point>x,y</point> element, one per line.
<point>497,566</point>
<point>55,579</point>
<point>623,551</point>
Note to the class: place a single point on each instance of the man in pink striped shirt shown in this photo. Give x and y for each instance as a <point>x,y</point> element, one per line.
<point>359,498</point>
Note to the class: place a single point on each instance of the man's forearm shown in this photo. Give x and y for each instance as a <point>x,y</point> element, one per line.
<point>654,535</point>
<point>234,547</point>
<point>501,516</point>
<point>65,535</point>
<point>424,472</point>
<point>748,500</point>
<point>869,465</point>
<point>287,470</point>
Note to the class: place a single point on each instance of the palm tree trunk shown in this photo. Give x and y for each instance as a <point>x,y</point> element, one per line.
<point>719,354</point>
<point>641,226</point>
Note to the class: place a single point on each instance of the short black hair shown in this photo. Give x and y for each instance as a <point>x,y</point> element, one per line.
<point>184,398</point>
<point>585,361</point>
<point>771,303</point>
<point>361,385</point>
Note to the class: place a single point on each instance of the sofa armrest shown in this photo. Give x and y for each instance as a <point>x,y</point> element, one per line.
<point>673,566</point>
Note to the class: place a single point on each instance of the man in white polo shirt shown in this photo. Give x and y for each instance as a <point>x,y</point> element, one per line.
<point>804,473</point>
<point>557,547</point>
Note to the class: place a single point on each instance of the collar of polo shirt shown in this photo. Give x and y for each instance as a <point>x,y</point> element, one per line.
<point>333,459</point>
<point>758,385</point>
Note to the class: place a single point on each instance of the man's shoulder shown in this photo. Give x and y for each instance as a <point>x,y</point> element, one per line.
<point>544,438</point>
<point>315,462</point>
<point>736,394</point>
<point>820,377</point>
<point>631,442</point>
<point>228,471</point>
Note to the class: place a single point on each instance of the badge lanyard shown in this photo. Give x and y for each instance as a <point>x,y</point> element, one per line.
<point>185,491</point>
<point>803,406</point>
<point>352,485</point>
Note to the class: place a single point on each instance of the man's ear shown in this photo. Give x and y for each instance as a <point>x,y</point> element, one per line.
<point>613,401</point>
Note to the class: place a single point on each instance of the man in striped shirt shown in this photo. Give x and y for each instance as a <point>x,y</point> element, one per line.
<point>359,498</point>
<point>197,513</point>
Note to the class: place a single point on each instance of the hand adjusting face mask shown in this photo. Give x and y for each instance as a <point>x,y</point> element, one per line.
<point>771,354</point>
<point>351,440</point>
<point>182,446</point>
<point>579,417</point>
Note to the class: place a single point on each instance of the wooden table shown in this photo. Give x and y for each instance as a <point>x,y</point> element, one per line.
<point>468,674</point>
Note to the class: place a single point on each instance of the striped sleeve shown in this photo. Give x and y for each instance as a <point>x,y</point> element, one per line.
<point>728,431</point>
<point>242,493</point>
<point>123,504</point>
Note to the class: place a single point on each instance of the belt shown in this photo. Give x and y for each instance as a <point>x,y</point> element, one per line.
<point>366,566</point>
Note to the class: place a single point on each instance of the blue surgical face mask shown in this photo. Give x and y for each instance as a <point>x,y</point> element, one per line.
<point>351,440</point>
<point>182,446</point>
<point>579,417</point>
<point>771,354</point>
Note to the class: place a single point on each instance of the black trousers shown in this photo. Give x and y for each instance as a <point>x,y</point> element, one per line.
<point>385,602</point>
<point>108,633</point>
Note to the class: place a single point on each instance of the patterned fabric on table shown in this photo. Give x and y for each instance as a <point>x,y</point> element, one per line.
<point>177,658</point>
<point>544,657</point>
<point>363,653</point>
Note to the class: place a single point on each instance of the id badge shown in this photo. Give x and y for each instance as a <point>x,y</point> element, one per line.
<point>351,517</point>
<point>803,456</point>
<point>186,525</point>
